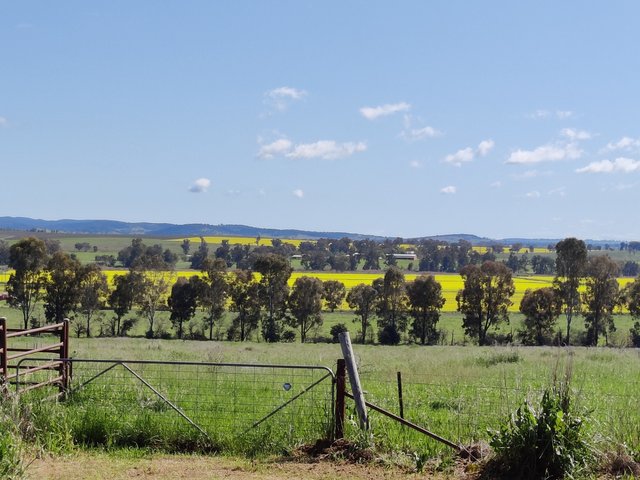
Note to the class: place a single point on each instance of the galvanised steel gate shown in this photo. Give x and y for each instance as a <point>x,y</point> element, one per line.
<point>225,403</point>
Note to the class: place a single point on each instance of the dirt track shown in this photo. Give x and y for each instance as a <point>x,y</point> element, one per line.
<point>103,466</point>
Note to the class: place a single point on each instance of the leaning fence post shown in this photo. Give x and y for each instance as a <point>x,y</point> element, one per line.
<point>354,379</point>
<point>341,381</point>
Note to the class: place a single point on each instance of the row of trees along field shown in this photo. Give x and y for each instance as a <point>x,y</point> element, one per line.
<point>349,255</point>
<point>68,288</point>
<point>430,255</point>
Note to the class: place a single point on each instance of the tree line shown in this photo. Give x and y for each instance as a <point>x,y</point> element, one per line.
<point>268,307</point>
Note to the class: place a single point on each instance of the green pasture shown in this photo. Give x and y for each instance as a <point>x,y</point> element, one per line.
<point>450,325</point>
<point>457,392</point>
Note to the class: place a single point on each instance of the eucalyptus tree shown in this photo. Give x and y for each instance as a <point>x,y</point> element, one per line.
<point>274,273</point>
<point>425,302</point>
<point>485,298</point>
<point>362,300</point>
<point>571,261</point>
<point>305,305</point>
<point>601,296</point>
<point>28,258</point>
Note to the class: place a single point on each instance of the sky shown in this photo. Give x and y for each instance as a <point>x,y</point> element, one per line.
<point>412,118</point>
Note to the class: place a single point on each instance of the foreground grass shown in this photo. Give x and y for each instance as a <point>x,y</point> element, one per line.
<point>457,392</point>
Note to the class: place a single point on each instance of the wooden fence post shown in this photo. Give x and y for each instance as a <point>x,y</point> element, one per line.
<point>341,383</point>
<point>64,354</point>
<point>354,379</point>
<point>3,352</point>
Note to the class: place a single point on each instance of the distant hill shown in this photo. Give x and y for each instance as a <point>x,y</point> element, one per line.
<point>113,227</point>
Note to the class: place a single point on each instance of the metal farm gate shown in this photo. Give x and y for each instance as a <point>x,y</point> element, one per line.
<point>227,403</point>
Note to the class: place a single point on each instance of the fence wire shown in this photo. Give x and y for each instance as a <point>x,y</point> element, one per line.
<point>465,411</point>
<point>226,403</point>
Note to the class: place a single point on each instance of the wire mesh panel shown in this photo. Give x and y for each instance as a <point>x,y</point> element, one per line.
<point>464,411</point>
<point>227,406</point>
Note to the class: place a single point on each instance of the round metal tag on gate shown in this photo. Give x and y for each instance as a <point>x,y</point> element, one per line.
<point>286,386</point>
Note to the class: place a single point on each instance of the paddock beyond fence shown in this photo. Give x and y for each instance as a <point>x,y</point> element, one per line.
<point>274,407</point>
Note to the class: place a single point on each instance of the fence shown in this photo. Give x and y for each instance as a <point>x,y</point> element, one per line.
<point>266,406</point>
<point>464,410</point>
<point>60,351</point>
<point>225,404</point>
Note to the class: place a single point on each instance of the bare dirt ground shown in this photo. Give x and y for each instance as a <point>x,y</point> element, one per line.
<point>95,466</point>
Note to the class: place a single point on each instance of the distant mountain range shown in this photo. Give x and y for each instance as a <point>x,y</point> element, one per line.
<point>113,227</point>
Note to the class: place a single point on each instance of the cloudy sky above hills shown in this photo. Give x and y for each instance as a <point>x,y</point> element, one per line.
<point>419,118</point>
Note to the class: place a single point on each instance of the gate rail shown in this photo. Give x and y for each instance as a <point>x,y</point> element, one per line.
<point>57,363</point>
<point>215,398</point>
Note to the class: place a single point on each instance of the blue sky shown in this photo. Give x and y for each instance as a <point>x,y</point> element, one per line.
<point>390,118</point>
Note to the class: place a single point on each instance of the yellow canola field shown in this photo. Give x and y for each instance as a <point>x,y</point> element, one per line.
<point>451,283</point>
<point>239,240</point>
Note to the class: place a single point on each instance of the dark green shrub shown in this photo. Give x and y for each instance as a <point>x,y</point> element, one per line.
<point>336,330</point>
<point>288,336</point>
<point>635,334</point>
<point>389,335</point>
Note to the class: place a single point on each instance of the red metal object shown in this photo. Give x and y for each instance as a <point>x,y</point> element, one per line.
<point>61,348</point>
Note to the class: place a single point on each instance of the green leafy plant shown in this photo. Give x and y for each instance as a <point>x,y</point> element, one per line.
<point>547,442</point>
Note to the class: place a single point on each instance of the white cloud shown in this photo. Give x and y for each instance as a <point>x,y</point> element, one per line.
<point>559,114</point>
<point>233,192</point>
<point>3,122</point>
<point>200,185</point>
<point>539,114</point>
<point>420,133</point>
<point>415,164</point>
<point>298,193</point>
<point>280,98</point>
<point>545,153</point>
<point>326,149</point>
<point>621,164</point>
<point>449,190</point>
<point>532,194</point>
<point>625,143</point>
<point>464,155</point>
<point>371,113</point>
<point>562,114</point>
<point>279,147</point>
<point>485,146</point>
<point>411,133</point>
<point>560,192</point>
<point>573,134</point>
<point>262,192</point>
<point>467,155</point>
<point>496,184</point>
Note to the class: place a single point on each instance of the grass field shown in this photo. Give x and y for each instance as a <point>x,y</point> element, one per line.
<point>457,392</point>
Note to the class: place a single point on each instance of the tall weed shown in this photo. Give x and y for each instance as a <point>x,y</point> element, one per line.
<point>543,442</point>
